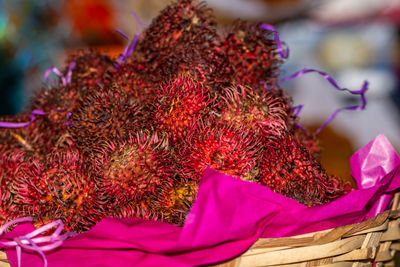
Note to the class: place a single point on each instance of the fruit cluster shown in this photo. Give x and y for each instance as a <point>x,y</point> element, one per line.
<point>133,138</point>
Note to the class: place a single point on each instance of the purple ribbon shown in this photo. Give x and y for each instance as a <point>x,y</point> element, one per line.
<point>122,34</point>
<point>22,124</point>
<point>360,92</point>
<point>284,53</point>
<point>4,124</point>
<point>67,122</point>
<point>131,45</point>
<point>32,240</point>
<point>138,20</point>
<point>64,79</point>
<point>297,110</point>
<point>128,48</point>
<point>100,84</point>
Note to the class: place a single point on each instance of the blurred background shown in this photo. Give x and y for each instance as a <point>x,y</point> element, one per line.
<point>352,40</point>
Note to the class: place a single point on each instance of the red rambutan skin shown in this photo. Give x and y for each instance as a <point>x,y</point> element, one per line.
<point>12,139</point>
<point>184,20</point>
<point>91,68</point>
<point>135,169</point>
<point>265,112</point>
<point>309,141</point>
<point>180,103</point>
<point>181,39</point>
<point>34,138</point>
<point>12,166</point>
<point>58,100</point>
<point>288,168</point>
<point>174,204</point>
<point>62,187</point>
<point>55,98</point>
<point>230,150</point>
<point>251,55</point>
<point>135,82</point>
<point>103,114</point>
<point>140,209</point>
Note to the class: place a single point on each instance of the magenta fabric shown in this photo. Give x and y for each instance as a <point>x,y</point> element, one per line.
<point>228,216</point>
<point>374,161</point>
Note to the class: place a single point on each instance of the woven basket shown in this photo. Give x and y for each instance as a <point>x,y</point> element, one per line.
<point>373,242</point>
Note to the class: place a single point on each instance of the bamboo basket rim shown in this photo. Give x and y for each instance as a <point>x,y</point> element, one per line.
<point>372,242</point>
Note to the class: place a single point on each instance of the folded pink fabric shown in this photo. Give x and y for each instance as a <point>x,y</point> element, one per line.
<point>228,216</point>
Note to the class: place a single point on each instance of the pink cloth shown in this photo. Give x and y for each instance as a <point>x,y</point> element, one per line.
<point>228,216</point>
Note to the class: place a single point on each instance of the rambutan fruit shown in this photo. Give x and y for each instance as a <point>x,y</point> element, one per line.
<point>265,112</point>
<point>101,115</point>
<point>63,188</point>
<point>140,209</point>
<point>135,169</point>
<point>12,165</point>
<point>90,69</point>
<point>174,204</point>
<point>232,151</point>
<point>59,100</point>
<point>32,138</point>
<point>288,168</point>
<point>10,138</point>
<point>309,141</point>
<point>181,102</point>
<point>184,20</point>
<point>251,55</point>
<point>58,103</point>
<point>55,98</point>
<point>135,83</point>
<point>181,39</point>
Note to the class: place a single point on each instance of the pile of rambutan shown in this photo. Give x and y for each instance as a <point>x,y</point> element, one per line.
<point>132,137</point>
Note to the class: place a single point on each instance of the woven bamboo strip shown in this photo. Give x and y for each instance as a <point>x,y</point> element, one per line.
<point>306,253</point>
<point>393,233</point>
<point>3,260</point>
<point>356,245</point>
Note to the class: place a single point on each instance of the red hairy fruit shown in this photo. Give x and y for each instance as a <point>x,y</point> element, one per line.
<point>182,23</point>
<point>35,138</point>
<point>12,139</point>
<point>90,69</point>
<point>13,165</point>
<point>137,85</point>
<point>58,101</point>
<point>265,112</point>
<point>104,114</point>
<point>140,209</point>
<point>61,188</point>
<point>288,168</point>
<point>61,99</point>
<point>180,103</point>
<point>309,141</point>
<point>251,55</point>
<point>135,169</point>
<point>174,204</point>
<point>181,39</point>
<point>232,151</point>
